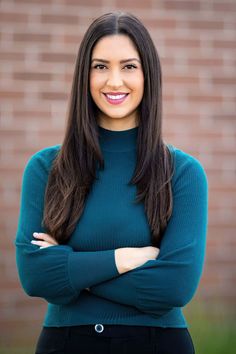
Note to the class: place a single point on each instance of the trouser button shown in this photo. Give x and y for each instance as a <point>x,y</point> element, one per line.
<point>99,328</point>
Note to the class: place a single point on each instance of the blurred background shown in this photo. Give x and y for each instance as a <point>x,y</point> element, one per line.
<point>196,42</point>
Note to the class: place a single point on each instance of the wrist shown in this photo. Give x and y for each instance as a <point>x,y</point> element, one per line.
<point>122,260</point>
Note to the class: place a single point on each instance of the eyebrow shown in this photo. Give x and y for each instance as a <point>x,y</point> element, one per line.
<point>122,61</point>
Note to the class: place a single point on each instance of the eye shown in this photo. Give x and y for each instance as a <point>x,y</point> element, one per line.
<point>99,66</point>
<point>131,66</point>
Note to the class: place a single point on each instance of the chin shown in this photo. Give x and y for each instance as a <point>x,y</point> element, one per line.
<point>116,115</point>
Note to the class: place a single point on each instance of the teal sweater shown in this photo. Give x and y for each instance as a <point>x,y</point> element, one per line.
<point>150,295</point>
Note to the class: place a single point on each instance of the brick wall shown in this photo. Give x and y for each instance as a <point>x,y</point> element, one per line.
<point>196,43</point>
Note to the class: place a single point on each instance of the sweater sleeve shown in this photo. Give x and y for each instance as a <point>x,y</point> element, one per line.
<point>55,273</point>
<point>172,279</point>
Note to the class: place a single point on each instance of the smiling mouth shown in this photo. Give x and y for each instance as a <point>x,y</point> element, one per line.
<point>115,99</point>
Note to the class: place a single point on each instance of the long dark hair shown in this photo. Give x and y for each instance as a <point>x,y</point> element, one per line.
<point>74,168</point>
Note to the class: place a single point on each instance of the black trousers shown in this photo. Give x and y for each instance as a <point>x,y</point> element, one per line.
<point>114,339</point>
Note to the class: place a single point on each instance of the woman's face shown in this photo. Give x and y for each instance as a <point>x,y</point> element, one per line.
<point>116,81</point>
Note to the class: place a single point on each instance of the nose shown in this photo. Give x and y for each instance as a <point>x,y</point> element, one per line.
<point>114,79</point>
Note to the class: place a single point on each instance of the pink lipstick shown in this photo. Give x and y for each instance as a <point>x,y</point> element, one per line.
<point>117,98</point>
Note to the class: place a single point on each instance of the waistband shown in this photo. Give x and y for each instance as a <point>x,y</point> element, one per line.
<point>118,331</point>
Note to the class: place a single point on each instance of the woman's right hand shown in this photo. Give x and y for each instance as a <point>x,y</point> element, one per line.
<point>129,258</point>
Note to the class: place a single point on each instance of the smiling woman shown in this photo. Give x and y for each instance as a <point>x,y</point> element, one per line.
<point>119,218</point>
<point>116,79</point>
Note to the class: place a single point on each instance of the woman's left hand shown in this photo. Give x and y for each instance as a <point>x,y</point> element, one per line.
<point>43,240</point>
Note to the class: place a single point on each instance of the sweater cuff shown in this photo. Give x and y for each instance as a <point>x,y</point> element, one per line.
<point>90,268</point>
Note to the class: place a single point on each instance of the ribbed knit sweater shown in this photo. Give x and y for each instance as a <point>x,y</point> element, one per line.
<point>152,294</point>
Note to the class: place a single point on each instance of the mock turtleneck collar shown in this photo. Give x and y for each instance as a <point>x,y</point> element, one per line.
<point>114,140</point>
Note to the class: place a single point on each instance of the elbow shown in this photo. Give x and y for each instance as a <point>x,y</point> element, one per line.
<point>55,300</point>
<point>33,289</point>
<point>29,287</point>
<point>180,296</point>
<point>167,303</point>
<point>27,282</point>
<point>181,301</point>
<point>45,279</point>
<point>184,288</point>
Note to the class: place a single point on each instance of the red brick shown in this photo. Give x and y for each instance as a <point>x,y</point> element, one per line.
<point>32,76</point>
<point>224,44</point>
<point>181,79</point>
<point>182,42</point>
<point>53,96</point>
<point>11,95</point>
<point>181,5</point>
<point>158,22</point>
<point>32,37</point>
<point>34,2</point>
<point>74,39</point>
<point>58,57</point>
<point>205,98</point>
<point>90,3</point>
<point>12,56</point>
<point>206,25</point>
<point>9,17</point>
<point>205,61</point>
<point>59,19</point>
<point>224,6</point>
<point>28,115</point>
<point>223,80</point>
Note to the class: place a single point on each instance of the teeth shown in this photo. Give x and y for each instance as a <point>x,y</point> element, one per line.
<point>116,97</point>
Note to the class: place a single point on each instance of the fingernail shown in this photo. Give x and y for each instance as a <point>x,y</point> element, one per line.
<point>33,241</point>
<point>36,234</point>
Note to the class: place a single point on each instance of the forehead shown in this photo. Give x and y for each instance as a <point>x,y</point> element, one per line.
<point>118,46</point>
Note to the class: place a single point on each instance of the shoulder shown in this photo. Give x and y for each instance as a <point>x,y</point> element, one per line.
<point>187,168</point>
<point>41,161</point>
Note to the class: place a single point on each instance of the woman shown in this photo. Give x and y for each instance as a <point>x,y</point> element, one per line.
<point>113,222</point>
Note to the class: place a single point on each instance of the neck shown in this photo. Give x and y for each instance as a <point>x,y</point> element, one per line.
<point>118,124</point>
<point>118,140</point>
